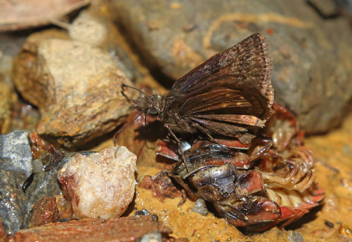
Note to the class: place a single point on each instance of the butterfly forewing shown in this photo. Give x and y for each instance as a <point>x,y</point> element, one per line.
<point>233,87</point>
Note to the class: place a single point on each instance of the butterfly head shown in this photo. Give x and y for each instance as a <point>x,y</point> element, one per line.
<point>154,105</point>
<point>150,105</point>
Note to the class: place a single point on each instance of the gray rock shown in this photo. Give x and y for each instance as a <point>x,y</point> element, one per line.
<point>44,184</point>
<point>295,237</point>
<point>14,207</point>
<point>200,207</point>
<point>15,154</point>
<point>312,57</point>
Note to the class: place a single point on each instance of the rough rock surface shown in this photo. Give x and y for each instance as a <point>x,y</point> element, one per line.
<point>44,183</point>
<point>45,211</point>
<point>14,207</point>
<point>312,57</point>
<point>121,229</point>
<point>87,29</point>
<point>15,154</point>
<point>101,184</point>
<point>75,86</point>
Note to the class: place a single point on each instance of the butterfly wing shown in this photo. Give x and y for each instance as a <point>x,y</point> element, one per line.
<point>230,91</point>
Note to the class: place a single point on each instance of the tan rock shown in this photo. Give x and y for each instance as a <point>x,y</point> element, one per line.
<point>87,29</point>
<point>101,184</point>
<point>75,86</point>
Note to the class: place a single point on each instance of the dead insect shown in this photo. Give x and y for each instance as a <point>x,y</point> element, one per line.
<point>238,195</point>
<point>227,95</point>
<point>256,186</point>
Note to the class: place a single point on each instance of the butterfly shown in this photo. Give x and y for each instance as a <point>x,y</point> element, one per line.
<point>228,95</point>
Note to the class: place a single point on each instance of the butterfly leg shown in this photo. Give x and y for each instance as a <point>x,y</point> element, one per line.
<point>172,133</point>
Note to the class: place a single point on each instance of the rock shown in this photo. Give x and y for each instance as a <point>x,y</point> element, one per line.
<point>87,29</point>
<point>152,237</point>
<point>69,155</point>
<point>97,20</point>
<point>15,154</point>
<point>45,182</point>
<point>65,208</point>
<point>118,229</point>
<point>200,207</point>
<point>312,57</point>
<point>99,185</point>
<point>25,14</point>
<point>14,207</point>
<point>75,86</point>
<point>45,211</point>
<point>295,236</point>
<point>9,45</point>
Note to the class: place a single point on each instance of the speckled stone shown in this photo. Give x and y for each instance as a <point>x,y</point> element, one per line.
<point>15,154</point>
<point>45,211</point>
<point>14,207</point>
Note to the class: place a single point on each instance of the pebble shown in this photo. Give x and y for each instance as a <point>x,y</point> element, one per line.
<point>101,184</point>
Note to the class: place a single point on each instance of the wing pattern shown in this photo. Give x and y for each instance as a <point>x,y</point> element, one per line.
<point>232,88</point>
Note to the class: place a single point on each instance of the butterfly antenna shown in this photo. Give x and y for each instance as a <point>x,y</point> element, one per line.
<point>123,93</point>
<point>124,127</point>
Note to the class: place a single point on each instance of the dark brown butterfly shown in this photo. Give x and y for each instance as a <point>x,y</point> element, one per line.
<point>226,95</point>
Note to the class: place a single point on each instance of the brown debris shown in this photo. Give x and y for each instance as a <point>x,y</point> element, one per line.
<point>3,235</point>
<point>38,145</point>
<point>161,186</point>
<point>6,103</point>
<point>345,230</point>
<point>122,229</point>
<point>64,206</point>
<point>45,211</point>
